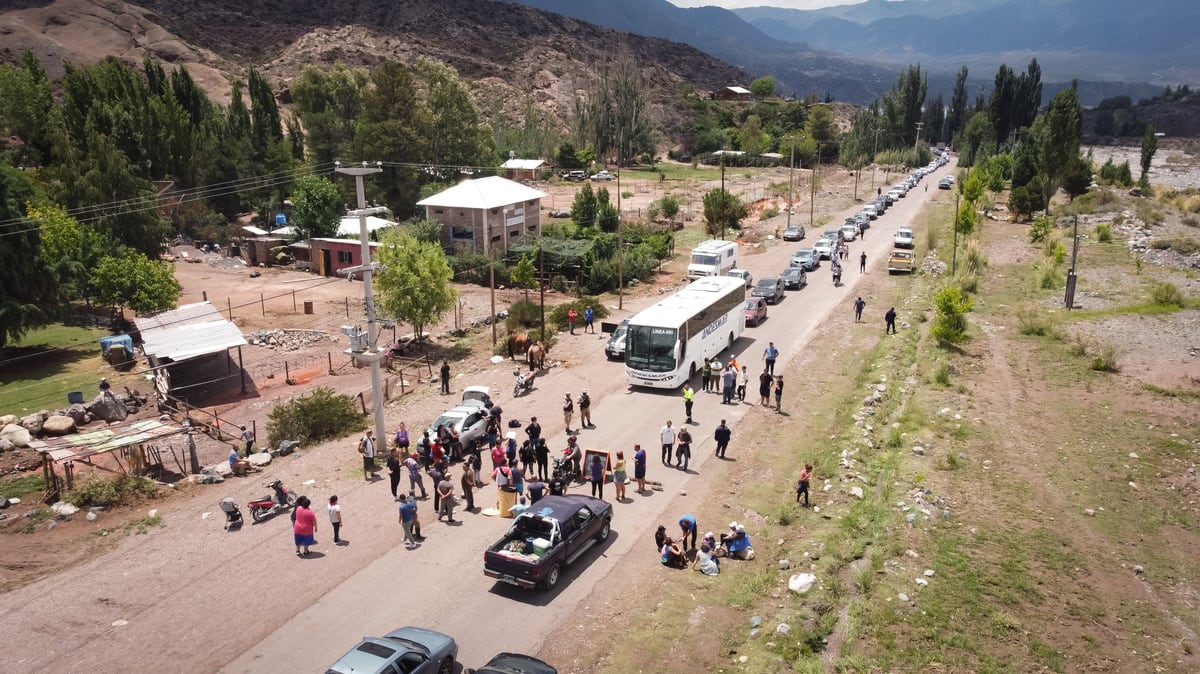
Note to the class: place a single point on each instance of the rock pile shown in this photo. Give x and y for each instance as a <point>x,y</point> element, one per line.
<point>20,431</point>
<point>287,340</point>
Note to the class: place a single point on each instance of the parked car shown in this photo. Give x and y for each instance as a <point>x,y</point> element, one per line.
<point>881,205</point>
<point>615,349</point>
<point>513,663</point>
<point>577,176</point>
<point>871,211</point>
<point>412,650</point>
<point>900,262</point>
<point>849,232</point>
<point>794,278</point>
<point>539,543</point>
<point>793,233</point>
<point>770,289</point>
<point>756,310</point>
<point>742,274</point>
<point>806,259</point>
<point>603,176</point>
<point>863,220</point>
<point>559,214</point>
<point>945,183</point>
<point>469,421</point>
<point>904,237</point>
<point>824,248</point>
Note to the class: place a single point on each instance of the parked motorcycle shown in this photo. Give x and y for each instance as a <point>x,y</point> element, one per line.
<point>267,506</point>
<point>524,382</point>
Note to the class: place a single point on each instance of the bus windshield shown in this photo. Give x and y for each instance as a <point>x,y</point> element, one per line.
<point>709,260</point>
<point>650,349</point>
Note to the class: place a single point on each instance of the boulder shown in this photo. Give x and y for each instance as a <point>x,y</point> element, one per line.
<point>77,412</point>
<point>33,423</point>
<point>58,426</point>
<point>801,582</point>
<point>6,445</point>
<point>857,492</point>
<point>9,419</point>
<point>108,408</point>
<point>17,435</point>
<point>62,509</point>
<point>259,459</point>
<point>221,469</point>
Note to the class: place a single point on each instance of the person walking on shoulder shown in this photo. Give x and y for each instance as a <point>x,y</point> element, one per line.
<point>408,515</point>
<point>689,398</point>
<point>770,354</point>
<point>890,322</point>
<point>722,435</point>
<point>802,486</point>
<point>335,519</point>
<point>444,375</point>
<point>862,263</point>
<point>859,305</point>
<point>683,452</point>
<point>667,435</point>
<point>414,475</point>
<point>778,393</point>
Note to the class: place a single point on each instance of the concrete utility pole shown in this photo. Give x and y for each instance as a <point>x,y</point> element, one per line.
<point>367,352</point>
<point>791,172</point>
<point>812,203</point>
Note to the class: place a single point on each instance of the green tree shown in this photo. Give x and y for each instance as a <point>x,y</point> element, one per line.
<point>1057,136</point>
<point>1078,177</point>
<point>429,231</point>
<point>69,248</point>
<point>964,221</point>
<point>137,282</point>
<point>524,275</point>
<point>751,138</point>
<point>395,128</point>
<point>29,294</point>
<point>458,134</point>
<point>820,126</point>
<point>950,324</point>
<point>567,157</point>
<point>25,106</point>
<point>415,284</point>
<point>978,140</point>
<point>329,103</point>
<point>607,218</point>
<point>669,207</point>
<point>1149,147</point>
<point>614,115</point>
<point>973,186</point>
<point>1026,199</point>
<point>958,103</point>
<point>763,88</point>
<point>583,210</point>
<point>722,211</point>
<point>317,207</point>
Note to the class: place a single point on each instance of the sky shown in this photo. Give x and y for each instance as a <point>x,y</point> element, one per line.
<point>788,4</point>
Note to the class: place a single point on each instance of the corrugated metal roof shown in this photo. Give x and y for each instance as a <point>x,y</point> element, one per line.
<point>349,225</point>
<point>82,445</point>
<point>483,193</point>
<point>523,164</point>
<point>187,332</point>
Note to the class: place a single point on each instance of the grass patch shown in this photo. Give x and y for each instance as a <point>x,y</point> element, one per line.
<point>941,373</point>
<point>673,172</point>
<point>1184,245</point>
<point>748,587</point>
<point>43,367</point>
<point>1106,358</point>
<point>1034,322</point>
<point>20,487</point>
<point>1167,294</point>
<point>1172,392</point>
<point>145,524</point>
<point>97,490</point>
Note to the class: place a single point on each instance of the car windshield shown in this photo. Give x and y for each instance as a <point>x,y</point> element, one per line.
<point>650,349</point>
<point>751,305</point>
<point>704,259</point>
<point>766,284</point>
<point>447,421</point>
<point>619,333</point>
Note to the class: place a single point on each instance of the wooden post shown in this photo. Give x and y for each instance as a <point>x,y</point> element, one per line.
<point>363,402</point>
<point>329,355</point>
<point>402,380</point>
<point>293,301</point>
<point>263,303</point>
<point>204,295</point>
<point>242,370</point>
<point>287,375</point>
<point>347,299</point>
<point>229,306</point>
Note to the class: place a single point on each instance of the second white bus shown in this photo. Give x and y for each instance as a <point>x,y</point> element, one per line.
<point>666,344</point>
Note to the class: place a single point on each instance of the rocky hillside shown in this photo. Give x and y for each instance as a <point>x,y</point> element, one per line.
<point>510,53</point>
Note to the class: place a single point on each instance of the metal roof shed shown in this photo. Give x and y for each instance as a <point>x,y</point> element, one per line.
<point>182,334</point>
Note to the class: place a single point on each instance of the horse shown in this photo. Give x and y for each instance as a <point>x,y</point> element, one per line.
<point>518,343</point>
<point>536,355</point>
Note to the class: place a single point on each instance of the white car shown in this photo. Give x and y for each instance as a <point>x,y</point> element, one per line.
<point>849,232</point>
<point>904,237</point>
<point>871,211</point>
<point>823,249</point>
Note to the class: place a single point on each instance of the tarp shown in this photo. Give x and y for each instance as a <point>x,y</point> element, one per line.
<point>121,340</point>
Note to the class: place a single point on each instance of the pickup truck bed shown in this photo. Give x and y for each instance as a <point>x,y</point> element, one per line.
<point>544,539</point>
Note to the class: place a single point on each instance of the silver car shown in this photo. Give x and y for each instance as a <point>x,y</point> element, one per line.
<point>824,248</point>
<point>412,650</point>
<point>806,259</point>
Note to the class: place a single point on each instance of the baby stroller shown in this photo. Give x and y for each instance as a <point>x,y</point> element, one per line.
<point>233,514</point>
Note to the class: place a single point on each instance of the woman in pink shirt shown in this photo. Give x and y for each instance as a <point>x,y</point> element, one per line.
<point>305,525</point>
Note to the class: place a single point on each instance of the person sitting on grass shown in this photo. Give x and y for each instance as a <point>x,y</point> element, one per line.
<point>671,554</point>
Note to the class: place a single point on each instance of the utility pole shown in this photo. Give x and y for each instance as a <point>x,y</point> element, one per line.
<point>812,202</point>
<point>1069,298</point>
<point>367,351</point>
<point>721,212</point>
<point>791,172</point>
<point>917,142</point>
<point>874,152</point>
<point>487,233</point>
<point>620,243</point>
<point>542,280</point>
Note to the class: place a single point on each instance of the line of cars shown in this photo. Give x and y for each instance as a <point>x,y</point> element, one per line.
<point>415,650</point>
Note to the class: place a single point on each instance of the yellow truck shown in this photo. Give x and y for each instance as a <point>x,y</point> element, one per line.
<point>900,262</point>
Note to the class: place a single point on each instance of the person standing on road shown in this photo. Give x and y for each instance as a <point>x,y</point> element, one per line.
<point>778,393</point>
<point>394,469</point>
<point>585,410</point>
<point>445,492</point>
<point>542,453</point>
<point>743,378</point>
<point>802,486</point>
<point>683,452</point>
<point>335,519</point>
<point>639,467</point>
<point>859,305</point>
<point>862,262</point>
<point>588,317</point>
<point>714,376</point>
<point>722,435</point>
<point>536,489</point>
<point>689,398</point>
<point>568,409</point>
<point>729,384</point>
<point>620,477</point>
<point>769,356</point>
<point>572,316</point>
<point>402,440</point>
<point>444,375</point>
<point>596,476</point>
<point>704,375</point>
<point>687,527</point>
<point>667,435</point>
<point>468,489</point>
<point>764,388</point>
<point>408,516</point>
<point>305,526</point>
<point>436,474</point>
<point>248,438</point>
<point>526,455</point>
<point>534,431</point>
<point>414,475</point>
<point>890,322</point>
<point>366,447</point>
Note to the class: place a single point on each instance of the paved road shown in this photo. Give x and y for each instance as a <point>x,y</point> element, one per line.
<point>399,587</point>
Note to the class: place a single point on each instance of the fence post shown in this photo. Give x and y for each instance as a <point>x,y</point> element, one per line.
<point>401,380</point>
<point>293,301</point>
<point>229,306</point>
<point>347,299</point>
<point>287,375</point>
<point>329,355</point>
<point>263,303</point>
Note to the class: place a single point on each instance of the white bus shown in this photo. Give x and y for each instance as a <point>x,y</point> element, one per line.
<point>667,343</point>
<point>712,258</point>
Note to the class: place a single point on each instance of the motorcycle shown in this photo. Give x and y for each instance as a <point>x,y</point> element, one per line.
<point>269,505</point>
<point>524,382</point>
<point>837,275</point>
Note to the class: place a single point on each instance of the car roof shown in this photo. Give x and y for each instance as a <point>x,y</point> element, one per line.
<point>515,663</point>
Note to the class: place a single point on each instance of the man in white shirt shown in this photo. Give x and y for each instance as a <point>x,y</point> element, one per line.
<point>366,447</point>
<point>667,433</point>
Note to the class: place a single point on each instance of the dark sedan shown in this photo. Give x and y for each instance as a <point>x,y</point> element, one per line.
<point>514,663</point>
<point>794,278</point>
<point>793,233</point>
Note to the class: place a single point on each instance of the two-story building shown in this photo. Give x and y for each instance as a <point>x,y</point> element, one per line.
<point>485,213</point>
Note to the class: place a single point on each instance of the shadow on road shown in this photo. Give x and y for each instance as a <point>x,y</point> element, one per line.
<point>540,597</point>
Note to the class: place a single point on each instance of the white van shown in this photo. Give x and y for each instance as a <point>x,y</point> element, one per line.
<point>712,258</point>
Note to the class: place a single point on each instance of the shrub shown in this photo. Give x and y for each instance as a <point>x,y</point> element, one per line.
<point>931,238</point>
<point>1056,251</point>
<point>558,317</point>
<point>974,260</point>
<point>523,314</point>
<point>320,415</point>
<point>768,213</point>
<point>1166,293</point>
<point>1191,221</point>
<point>1183,245</point>
<point>99,490</point>
<point>969,282</point>
<point>1049,277</point>
<point>1104,233</point>
<point>1105,360</point>
<point>1040,230</point>
<point>950,324</point>
<point>1034,322</point>
<point>941,374</point>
